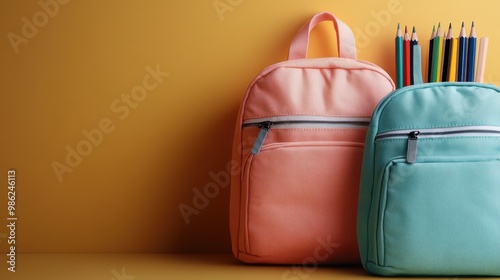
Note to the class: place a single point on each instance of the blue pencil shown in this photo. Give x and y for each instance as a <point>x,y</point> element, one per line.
<point>462,55</point>
<point>471,55</point>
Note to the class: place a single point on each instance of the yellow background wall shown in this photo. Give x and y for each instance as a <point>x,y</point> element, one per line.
<point>71,75</point>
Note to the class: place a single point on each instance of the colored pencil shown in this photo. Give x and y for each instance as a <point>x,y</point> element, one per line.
<point>429,65</point>
<point>437,56</point>
<point>462,55</point>
<point>446,56</point>
<point>406,63</point>
<point>481,61</point>
<point>399,58</point>
<point>440,54</point>
<point>413,42</point>
<point>452,74</point>
<point>471,54</point>
<point>417,65</point>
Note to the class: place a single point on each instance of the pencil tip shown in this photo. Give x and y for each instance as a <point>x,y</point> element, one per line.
<point>414,29</point>
<point>433,28</point>
<point>439,25</point>
<point>406,29</point>
<point>462,24</point>
<point>450,26</point>
<point>472,23</point>
<point>398,25</point>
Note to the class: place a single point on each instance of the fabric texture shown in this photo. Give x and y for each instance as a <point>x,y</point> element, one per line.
<point>438,215</point>
<point>299,142</point>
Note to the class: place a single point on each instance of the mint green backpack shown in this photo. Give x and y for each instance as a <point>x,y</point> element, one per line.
<point>429,201</point>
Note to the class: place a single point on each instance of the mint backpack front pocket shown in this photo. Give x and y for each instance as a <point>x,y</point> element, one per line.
<point>430,187</point>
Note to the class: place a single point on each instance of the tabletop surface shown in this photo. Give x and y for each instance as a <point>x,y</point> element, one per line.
<point>167,266</point>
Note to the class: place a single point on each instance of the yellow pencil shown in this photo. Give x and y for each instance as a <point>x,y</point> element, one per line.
<point>452,74</point>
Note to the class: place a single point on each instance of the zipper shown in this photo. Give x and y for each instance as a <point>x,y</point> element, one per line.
<point>265,125</point>
<point>414,135</point>
<point>264,130</point>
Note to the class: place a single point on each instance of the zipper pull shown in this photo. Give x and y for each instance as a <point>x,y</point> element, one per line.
<point>411,149</point>
<point>264,130</point>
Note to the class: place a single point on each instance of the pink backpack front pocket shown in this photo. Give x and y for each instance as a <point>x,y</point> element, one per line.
<point>297,189</point>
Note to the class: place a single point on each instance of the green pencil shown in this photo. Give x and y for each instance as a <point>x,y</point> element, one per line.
<point>437,55</point>
<point>399,58</point>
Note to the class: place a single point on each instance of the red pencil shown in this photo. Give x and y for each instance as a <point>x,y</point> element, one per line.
<point>406,63</point>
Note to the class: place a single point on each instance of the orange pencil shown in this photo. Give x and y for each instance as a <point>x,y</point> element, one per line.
<point>406,63</point>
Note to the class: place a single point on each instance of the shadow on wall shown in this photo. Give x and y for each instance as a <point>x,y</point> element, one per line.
<point>203,204</point>
<point>194,217</point>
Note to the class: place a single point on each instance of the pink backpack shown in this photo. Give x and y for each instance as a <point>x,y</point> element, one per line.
<point>299,144</point>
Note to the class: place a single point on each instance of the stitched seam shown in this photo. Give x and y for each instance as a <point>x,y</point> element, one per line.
<point>438,126</point>
<point>441,139</point>
<point>306,114</point>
